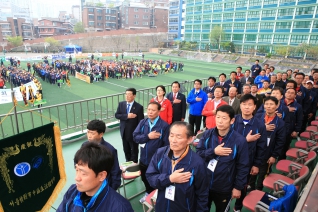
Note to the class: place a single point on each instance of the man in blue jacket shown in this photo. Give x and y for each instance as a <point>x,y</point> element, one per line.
<point>254,131</point>
<point>95,133</point>
<point>151,134</point>
<point>275,132</point>
<point>187,182</point>
<point>92,192</point>
<point>197,99</point>
<point>255,69</point>
<point>225,153</point>
<point>260,79</point>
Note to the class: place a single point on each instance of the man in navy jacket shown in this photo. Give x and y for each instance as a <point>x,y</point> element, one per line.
<point>92,192</point>
<point>95,133</point>
<point>188,178</point>
<point>254,131</point>
<point>178,102</point>
<point>197,99</point>
<point>225,153</point>
<point>276,136</point>
<point>151,134</point>
<point>256,69</point>
<point>233,82</point>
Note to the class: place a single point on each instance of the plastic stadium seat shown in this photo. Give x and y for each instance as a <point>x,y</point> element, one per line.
<point>314,123</point>
<point>252,199</point>
<point>270,181</point>
<point>313,128</point>
<point>131,173</point>
<point>306,145</point>
<point>309,135</point>
<point>291,168</point>
<point>150,201</point>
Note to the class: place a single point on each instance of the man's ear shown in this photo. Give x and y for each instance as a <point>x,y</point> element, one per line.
<point>102,176</point>
<point>232,121</point>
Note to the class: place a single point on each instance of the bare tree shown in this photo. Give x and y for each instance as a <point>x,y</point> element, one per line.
<point>117,40</point>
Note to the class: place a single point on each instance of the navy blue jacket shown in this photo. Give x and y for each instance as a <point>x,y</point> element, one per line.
<point>225,86</point>
<point>296,117</point>
<point>231,171</point>
<point>255,73</point>
<point>236,83</point>
<point>106,199</point>
<point>189,196</point>
<point>277,138</point>
<point>114,178</point>
<point>282,109</point>
<point>304,97</point>
<point>196,107</point>
<point>207,90</point>
<point>310,103</point>
<point>256,148</point>
<point>141,137</point>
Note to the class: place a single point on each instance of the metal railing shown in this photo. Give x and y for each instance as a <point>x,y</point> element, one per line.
<point>74,116</point>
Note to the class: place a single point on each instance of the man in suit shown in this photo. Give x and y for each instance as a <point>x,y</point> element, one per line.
<point>129,113</point>
<point>247,79</point>
<point>232,100</point>
<point>222,82</point>
<point>233,82</point>
<point>178,102</point>
<point>259,97</point>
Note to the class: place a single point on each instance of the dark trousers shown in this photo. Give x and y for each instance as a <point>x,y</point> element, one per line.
<point>239,202</point>
<point>143,169</point>
<point>220,200</point>
<point>195,121</point>
<point>261,176</point>
<point>286,146</point>
<point>304,123</point>
<point>131,150</point>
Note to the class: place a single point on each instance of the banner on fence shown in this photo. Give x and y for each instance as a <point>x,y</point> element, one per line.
<point>82,77</point>
<point>5,94</point>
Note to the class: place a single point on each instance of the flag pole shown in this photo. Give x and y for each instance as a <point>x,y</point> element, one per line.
<point>15,108</point>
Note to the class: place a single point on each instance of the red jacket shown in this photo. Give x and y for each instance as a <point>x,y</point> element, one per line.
<point>166,109</point>
<point>207,111</point>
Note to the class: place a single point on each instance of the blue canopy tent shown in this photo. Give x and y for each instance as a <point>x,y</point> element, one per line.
<point>72,48</point>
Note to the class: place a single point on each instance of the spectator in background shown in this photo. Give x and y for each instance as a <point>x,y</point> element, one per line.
<point>239,73</point>
<point>246,79</point>
<point>255,69</point>
<point>232,82</point>
<point>222,78</point>
<point>209,89</point>
<point>178,101</point>
<point>166,106</point>
<point>279,81</point>
<point>260,79</point>
<point>232,100</point>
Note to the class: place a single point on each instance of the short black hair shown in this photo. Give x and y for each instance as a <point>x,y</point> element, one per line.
<point>247,85</point>
<point>219,86</point>
<point>233,72</point>
<point>162,87</point>
<point>222,74</point>
<point>133,90</point>
<point>266,81</point>
<point>226,109</point>
<point>97,125</point>
<point>184,124</point>
<point>292,81</point>
<point>278,89</point>
<point>212,78</point>
<point>155,103</point>
<point>257,60</point>
<point>176,82</point>
<point>198,80</point>
<point>291,89</point>
<point>300,73</point>
<point>239,67</point>
<point>96,156</point>
<point>247,97</point>
<point>254,85</point>
<point>248,70</point>
<point>274,99</point>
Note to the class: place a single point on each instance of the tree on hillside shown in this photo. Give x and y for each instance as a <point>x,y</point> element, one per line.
<point>285,51</point>
<point>51,41</point>
<point>79,28</point>
<point>216,36</point>
<point>313,51</point>
<point>304,48</point>
<point>99,4</point>
<point>15,41</point>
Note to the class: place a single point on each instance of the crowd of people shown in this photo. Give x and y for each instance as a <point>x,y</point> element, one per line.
<point>248,121</point>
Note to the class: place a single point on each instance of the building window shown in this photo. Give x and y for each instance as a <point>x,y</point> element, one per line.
<point>314,39</point>
<point>251,25</point>
<point>107,17</point>
<point>286,12</point>
<point>91,23</point>
<point>240,15</point>
<point>253,14</point>
<point>298,38</point>
<point>198,27</point>
<point>197,18</point>
<point>227,37</point>
<point>188,26</point>
<point>174,27</point>
<point>283,25</point>
<point>239,26</point>
<point>91,17</point>
<point>99,11</point>
<point>99,18</point>
<point>305,10</point>
<point>190,9</point>
<point>42,22</point>
<point>135,9</point>
<point>238,37</point>
<point>265,38</point>
<point>269,13</point>
<point>250,37</point>
<point>229,5</point>
<point>227,26</point>
<point>173,20</point>
<point>136,16</point>
<point>217,16</point>
<point>267,25</point>
<point>6,26</point>
<point>145,23</point>
<point>172,12</point>
<point>206,17</point>
<point>146,10</point>
<point>281,38</point>
<point>198,9</point>
<point>207,7</point>
<point>302,24</point>
<point>286,1</point>
<point>99,24</point>
<point>204,26</point>
<point>145,17</point>
<point>255,3</point>
<point>205,36</point>
<point>241,4</point>
<point>196,36</point>
<point>227,16</point>
<point>136,22</point>
<point>218,6</point>
<point>91,10</point>
<point>270,2</point>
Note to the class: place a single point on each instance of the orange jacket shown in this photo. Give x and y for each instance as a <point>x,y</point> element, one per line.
<point>207,111</point>
<point>166,113</point>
